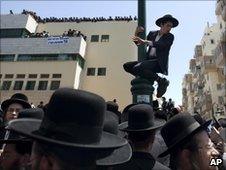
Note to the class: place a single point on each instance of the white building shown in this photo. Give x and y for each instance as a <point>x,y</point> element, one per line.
<point>208,66</point>
<point>37,66</point>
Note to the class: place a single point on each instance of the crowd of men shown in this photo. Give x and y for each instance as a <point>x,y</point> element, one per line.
<point>69,33</point>
<point>76,19</point>
<point>79,130</point>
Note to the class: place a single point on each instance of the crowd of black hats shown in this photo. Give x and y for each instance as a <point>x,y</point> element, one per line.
<point>90,123</point>
<point>69,33</point>
<point>38,34</point>
<point>77,19</point>
<point>74,33</point>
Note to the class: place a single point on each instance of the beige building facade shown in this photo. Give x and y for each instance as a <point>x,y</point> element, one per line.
<point>205,89</point>
<point>92,61</point>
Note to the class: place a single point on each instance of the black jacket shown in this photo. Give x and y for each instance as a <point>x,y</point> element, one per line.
<point>162,49</point>
<point>141,161</point>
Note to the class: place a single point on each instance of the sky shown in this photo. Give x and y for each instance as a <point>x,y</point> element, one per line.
<point>192,15</point>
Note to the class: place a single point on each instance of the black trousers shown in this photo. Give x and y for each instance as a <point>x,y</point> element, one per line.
<point>146,69</point>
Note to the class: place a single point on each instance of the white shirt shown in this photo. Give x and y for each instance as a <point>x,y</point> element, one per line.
<point>153,49</point>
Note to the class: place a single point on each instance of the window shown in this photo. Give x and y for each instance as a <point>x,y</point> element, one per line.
<point>105,38</point>
<point>218,86</point>
<point>24,57</point>
<point>101,71</point>
<point>8,76</point>
<point>7,57</point>
<point>90,71</point>
<point>51,57</point>
<point>30,85</point>
<point>54,85</point>
<point>6,85</point>
<point>13,32</point>
<point>42,85</point>
<point>204,44</point>
<point>44,76</point>
<point>18,85</point>
<point>20,76</point>
<point>32,76</point>
<point>94,38</point>
<point>220,99</point>
<point>212,41</point>
<point>56,75</point>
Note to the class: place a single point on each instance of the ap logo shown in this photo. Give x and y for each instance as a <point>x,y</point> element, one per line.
<point>215,161</point>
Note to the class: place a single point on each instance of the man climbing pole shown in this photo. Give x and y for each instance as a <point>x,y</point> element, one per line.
<point>157,56</point>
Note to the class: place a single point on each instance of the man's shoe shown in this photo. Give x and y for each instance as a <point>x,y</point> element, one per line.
<point>162,86</point>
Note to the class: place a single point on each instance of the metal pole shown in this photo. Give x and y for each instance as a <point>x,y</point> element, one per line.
<point>142,22</point>
<point>142,89</point>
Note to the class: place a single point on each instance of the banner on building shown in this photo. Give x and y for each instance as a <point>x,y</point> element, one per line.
<point>57,40</point>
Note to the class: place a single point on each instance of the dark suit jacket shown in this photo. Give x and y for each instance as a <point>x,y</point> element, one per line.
<point>141,161</point>
<point>162,49</point>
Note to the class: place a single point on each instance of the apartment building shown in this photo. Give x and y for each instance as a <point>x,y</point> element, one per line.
<point>204,87</point>
<point>92,60</point>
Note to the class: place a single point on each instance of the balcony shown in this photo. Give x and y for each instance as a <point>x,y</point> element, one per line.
<point>220,54</point>
<point>188,78</point>
<point>219,7</point>
<point>192,65</point>
<point>206,102</point>
<point>220,74</point>
<point>184,92</point>
<point>198,51</point>
<point>197,71</point>
<point>224,13</point>
<point>198,92</point>
<point>190,88</point>
<point>223,37</point>
<point>44,45</point>
<point>197,103</point>
<point>208,64</point>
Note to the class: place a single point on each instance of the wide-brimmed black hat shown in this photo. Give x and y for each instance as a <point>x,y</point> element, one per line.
<point>124,116</point>
<point>166,18</point>
<point>120,155</point>
<point>16,98</point>
<point>74,118</point>
<point>13,137</point>
<point>113,107</point>
<point>141,118</point>
<point>179,129</point>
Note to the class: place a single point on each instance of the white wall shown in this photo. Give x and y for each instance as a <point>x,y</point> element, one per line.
<point>41,46</point>
<point>12,21</point>
<point>112,55</point>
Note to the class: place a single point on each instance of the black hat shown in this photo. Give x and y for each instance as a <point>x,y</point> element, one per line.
<point>16,98</point>
<point>179,129</point>
<point>1,112</point>
<point>199,118</point>
<point>74,118</point>
<point>35,113</point>
<point>165,18</point>
<point>120,155</point>
<point>12,137</point>
<point>113,107</point>
<point>141,118</point>
<point>124,116</point>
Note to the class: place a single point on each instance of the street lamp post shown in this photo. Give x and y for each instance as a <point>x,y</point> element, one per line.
<point>142,89</point>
